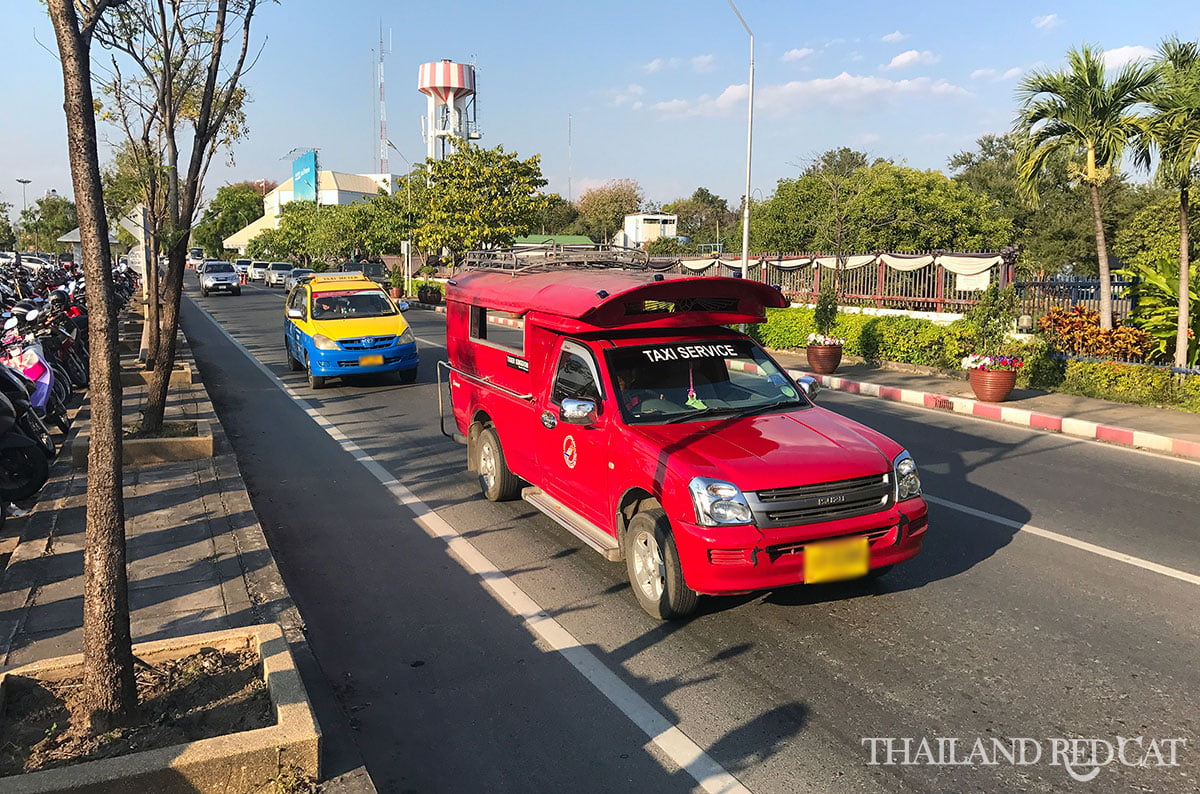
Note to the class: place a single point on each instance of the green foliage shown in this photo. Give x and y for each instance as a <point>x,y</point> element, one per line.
<point>826,312</point>
<point>8,237</point>
<point>233,208</point>
<point>992,318</point>
<point>47,219</point>
<point>602,210</point>
<point>667,246</point>
<point>1077,332</point>
<point>702,215</point>
<point>881,206</point>
<point>1158,306</point>
<point>1129,383</point>
<point>558,216</point>
<point>480,197</point>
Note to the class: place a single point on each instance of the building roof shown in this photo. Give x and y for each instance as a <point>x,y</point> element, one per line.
<point>73,236</point>
<point>554,239</point>
<point>336,180</point>
<point>240,238</point>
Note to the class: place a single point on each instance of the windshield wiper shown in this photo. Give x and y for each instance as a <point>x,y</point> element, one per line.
<point>702,412</point>
<point>758,409</point>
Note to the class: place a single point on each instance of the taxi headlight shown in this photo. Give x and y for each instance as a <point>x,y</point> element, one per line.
<point>322,342</point>
<point>718,502</point>
<point>908,482</point>
<point>406,338</point>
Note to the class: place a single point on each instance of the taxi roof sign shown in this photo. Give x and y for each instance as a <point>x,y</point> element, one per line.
<point>335,278</point>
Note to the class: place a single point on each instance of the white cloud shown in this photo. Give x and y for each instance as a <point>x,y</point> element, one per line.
<point>995,75</point>
<point>797,54</point>
<point>1116,58</point>
<point>867,138</point>
<point>781,99</point>
<point>658,64</point>
<point>629,95</point>
<point>911,58</point>
<point>894,37</point>
<point>703,63</point>
<point>1048,22</point>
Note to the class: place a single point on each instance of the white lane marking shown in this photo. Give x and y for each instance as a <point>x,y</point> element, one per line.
<point>674,743</point>
<point>1067,540</point>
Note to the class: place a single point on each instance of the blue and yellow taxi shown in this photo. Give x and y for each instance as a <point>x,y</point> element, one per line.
<point>339,324</point>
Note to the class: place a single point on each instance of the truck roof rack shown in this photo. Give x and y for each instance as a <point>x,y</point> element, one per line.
<point>541,258</point>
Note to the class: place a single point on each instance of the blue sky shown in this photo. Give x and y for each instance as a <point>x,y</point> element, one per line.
<point>656,91</point>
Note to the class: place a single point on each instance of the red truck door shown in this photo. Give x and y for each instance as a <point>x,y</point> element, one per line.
<point>573,459</point>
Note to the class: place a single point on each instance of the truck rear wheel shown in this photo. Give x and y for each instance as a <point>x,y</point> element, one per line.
<point>652,561</point>
<point>496,480</point>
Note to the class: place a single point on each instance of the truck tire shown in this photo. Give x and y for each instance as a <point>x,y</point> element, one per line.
<point>652,561</point>
<point>496,480</point>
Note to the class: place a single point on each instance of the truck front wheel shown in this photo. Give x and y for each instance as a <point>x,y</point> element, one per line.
<point>652,561</point>
<point>497,482</point>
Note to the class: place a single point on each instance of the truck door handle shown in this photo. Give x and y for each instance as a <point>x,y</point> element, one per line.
<point>548,420</point>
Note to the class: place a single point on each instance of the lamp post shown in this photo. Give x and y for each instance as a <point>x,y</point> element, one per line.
<point>24,201</point>
<point>749,146</point>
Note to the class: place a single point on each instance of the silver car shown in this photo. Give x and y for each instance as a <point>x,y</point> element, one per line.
<point>277,272</point>
<point>220,277</point>
<point>294,277</point>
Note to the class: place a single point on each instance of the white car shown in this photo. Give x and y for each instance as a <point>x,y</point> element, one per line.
<point>277,273</point>
<point>219,277</point>
<point>294,277</point>
<point>257,271</point>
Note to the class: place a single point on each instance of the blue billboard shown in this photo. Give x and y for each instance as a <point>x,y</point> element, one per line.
<point>304,177</point>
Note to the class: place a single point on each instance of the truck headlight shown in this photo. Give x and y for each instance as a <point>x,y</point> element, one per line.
<point>406,338</point>
<point>322,342</point>
<point>718,503</point>
<point>908,482</point>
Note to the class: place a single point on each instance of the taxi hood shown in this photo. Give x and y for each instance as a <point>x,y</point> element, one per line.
<point>802,447</point>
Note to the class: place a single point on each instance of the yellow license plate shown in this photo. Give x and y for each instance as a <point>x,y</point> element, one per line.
<point>834,560</point>
<point>370,361</point>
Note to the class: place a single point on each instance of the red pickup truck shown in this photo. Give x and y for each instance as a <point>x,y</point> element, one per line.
<point>648,427</point>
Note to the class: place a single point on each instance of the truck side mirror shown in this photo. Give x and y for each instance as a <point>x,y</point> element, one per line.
<point>811,387</point>
<point>296,314</point>
<point>578,412</point>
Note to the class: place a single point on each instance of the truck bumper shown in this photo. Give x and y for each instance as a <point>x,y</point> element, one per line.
<point>727,560</point>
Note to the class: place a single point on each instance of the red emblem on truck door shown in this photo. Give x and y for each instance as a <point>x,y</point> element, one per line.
<point>570,453</point>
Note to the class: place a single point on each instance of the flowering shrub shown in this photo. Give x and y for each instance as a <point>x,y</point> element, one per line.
<point>822,339</point>
<point>1077,332</point>
<point>993,363</point>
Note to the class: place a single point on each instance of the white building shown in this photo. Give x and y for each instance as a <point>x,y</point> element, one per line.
<point>645,227</point>
<point>333,187</point>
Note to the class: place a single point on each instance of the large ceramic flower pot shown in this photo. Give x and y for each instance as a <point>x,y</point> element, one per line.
<point>824,359</point>
<point>992,385</point>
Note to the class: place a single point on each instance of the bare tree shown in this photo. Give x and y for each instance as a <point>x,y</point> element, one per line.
<point>188,58</point>
<point>107,650</point>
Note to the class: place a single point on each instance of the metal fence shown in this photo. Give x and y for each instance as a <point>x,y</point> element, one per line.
<point>1039,297</point>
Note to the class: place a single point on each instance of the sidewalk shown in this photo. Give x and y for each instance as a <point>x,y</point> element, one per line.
<point>197,561</point>
<point>1158,429</point>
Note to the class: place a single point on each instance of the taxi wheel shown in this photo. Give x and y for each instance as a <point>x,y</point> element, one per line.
<point>294,364</point>
<point>652,561</point>
<point>407,376</point>
<point>496,480</point>
<point>316,381</point>
<point>203,292</point>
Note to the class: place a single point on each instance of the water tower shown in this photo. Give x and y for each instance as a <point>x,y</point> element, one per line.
<point>450,88</point>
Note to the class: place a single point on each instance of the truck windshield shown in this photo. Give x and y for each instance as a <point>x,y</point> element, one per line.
<point>348,305</point>
<point>696,379</point>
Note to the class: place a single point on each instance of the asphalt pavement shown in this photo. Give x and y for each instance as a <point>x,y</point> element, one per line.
<point>1057,597</point>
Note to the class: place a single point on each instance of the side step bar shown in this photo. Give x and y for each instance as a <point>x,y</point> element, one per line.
<point>574,523</point>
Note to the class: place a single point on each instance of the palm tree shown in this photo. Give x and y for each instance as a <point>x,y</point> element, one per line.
<point>1079,111</point>
<point>1173,128</point>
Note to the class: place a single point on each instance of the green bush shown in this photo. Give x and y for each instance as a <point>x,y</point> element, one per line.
<point>1128,383</point>
<point>1188,393</point>
<point>785,328</point>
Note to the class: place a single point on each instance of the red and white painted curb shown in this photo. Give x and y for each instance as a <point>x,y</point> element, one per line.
<point>1080,428</point>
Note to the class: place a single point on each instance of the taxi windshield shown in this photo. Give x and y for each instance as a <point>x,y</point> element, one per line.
<point>348,305</point>
<point>697,379</point>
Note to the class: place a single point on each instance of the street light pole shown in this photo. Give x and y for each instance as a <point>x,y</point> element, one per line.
<point>24,201</point>
<point>749,146</point>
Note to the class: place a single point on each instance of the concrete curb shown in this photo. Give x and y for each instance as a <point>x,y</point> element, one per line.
<point>152,451</point>
<point>1080,428</point>
<point>243,761</point>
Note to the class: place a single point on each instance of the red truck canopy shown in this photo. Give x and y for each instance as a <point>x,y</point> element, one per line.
<point>584,300</point>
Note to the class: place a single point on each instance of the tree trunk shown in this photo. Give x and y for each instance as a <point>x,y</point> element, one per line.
<point>107,651</point>
<point>152,306</point>
<point>1106,309</point>
<point>160,379</point>
<point>1181,332</point>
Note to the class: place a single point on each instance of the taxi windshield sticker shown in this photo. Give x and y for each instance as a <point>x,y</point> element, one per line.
<point>691,351</point>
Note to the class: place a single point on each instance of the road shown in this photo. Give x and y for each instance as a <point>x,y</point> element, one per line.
<point>1022,618</point>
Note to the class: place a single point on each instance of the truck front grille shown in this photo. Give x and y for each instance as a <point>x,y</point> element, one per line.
<point>810,504</point>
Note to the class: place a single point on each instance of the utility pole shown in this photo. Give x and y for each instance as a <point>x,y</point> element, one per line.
<point>24,201</point>
<point>749,144</point>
